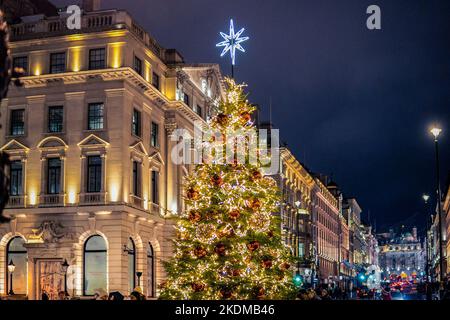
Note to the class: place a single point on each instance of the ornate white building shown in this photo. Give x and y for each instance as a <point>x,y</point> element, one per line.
<point>89,135</point>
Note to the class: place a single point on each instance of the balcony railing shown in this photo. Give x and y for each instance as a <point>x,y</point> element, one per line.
<point>136,201</point>
<point>50,200</point>
<point>92,198</point>
<point>16,201</point>
<point>155,209</point>
<point>90,22</point>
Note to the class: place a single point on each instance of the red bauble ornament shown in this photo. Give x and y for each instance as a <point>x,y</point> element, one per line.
<point>252,246</point>
<point>198,287</point>
<point>226,293</point>
<point>195,216</point>
<point>200,252</point>
<point>245,117</point>
<point>220,249</point>
<point>270,234</point>
<point>254,204</point>
<point>234,214</point>
<point>260,293</point>
<point>256,175</point>
<point>216,180</point>
<point>285,266</point>
<point>236,273</point>
<point>193,194</point>
<point>222,119</point>
<point>267,263</point>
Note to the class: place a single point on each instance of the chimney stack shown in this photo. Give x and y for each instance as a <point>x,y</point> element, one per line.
<point>414,233</point>
<point>91,5</point>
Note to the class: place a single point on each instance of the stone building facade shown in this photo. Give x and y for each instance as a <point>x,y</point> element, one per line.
<point>296,186</point>
<point>401,255</point>
<point>90,135</point>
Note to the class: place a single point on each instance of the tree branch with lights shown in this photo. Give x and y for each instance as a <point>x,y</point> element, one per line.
<point>228,243</point>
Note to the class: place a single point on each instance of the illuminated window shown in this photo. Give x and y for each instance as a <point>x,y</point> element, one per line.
<point>53,176</point>
<point>21,63</point>
<point>156,81</point>
<point>136,179</point>
<point>154,139</point>
<point>198,110</point>
<point>97,59</point>
<point>16,178</point>
<point>155,187</point>
<point>94,174</point>
<point>17,253</point>
<point>94,268</point>
<point>136,123</point>
<point>186,99</point>
<point>55,119</point>
<point>151,270</point>
<point>137,65</point>
<point>58,62</point>
<point>131,264</point>
<point>17,126</point>
<point>95,116</point>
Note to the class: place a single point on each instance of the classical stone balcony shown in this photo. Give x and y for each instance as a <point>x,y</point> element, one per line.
<point>51,200</point>
<point>92,198</point>
<point>16,201</point>
<point>136,201</point>
<point>154,208</point>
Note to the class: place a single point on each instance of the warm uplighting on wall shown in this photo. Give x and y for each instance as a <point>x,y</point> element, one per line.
<point>145,203</point>
<point>33,198</point>
<point>75,58</point>
<point>114,192</point>
<point>116,54</point>
<point>72,196</point>
<point>147,72</point>
<point>37,70</point>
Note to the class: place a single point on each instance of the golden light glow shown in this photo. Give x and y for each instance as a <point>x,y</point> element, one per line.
<point>75,58</point>
<point>436,132</point>
<point>116,54</point>
<point>37,70</point>
<point>114,192</point>
<point>145,204</point>
<point>33,198</point>
<point>72,199</point>
<point>103,213</point>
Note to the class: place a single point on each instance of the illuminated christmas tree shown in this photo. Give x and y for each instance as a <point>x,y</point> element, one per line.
<point>228,243</point>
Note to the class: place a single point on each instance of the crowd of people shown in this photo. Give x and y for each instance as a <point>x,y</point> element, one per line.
<point>101,294</point>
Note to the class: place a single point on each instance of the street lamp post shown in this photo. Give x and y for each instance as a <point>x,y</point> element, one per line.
<point>436,131</point>
<point>11,268</point>
<point>425,198</point>
<point>64,268</point>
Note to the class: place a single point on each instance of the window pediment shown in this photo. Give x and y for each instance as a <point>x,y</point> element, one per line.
<point>52,143</point>
<point>14,147</point>
<point>93,141</point>
<point>139,149</point>
<point>156,157</point>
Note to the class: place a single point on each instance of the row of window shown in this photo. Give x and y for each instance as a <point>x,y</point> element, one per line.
<point>95,121</point>
<point>94,265</point>
<point>97,60</point>
<point>94,176</point>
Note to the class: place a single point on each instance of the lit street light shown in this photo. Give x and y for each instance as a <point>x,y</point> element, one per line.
<point>11,268</point>
<point>436,132</point>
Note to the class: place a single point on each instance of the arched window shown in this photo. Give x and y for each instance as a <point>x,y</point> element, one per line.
<point>17,253</point>
<point>95,267</point>
<point>131,264</point>
<point>151,270</point>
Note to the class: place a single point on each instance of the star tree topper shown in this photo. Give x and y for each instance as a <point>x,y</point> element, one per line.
<point>232,42</point>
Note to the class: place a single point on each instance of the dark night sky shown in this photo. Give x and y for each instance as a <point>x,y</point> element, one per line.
<point>349,101</point>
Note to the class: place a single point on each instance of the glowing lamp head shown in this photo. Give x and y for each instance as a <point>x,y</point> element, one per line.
<point>297,203</point>
<point>436,132</point>
<point>298,280</point>
<point>64,266</point>
<point>11,266</point>
<point>425,198</point>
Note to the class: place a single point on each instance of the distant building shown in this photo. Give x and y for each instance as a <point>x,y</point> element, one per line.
<point>401,254</point>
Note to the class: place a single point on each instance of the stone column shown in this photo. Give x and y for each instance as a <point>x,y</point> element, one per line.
<point>171,168</point>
